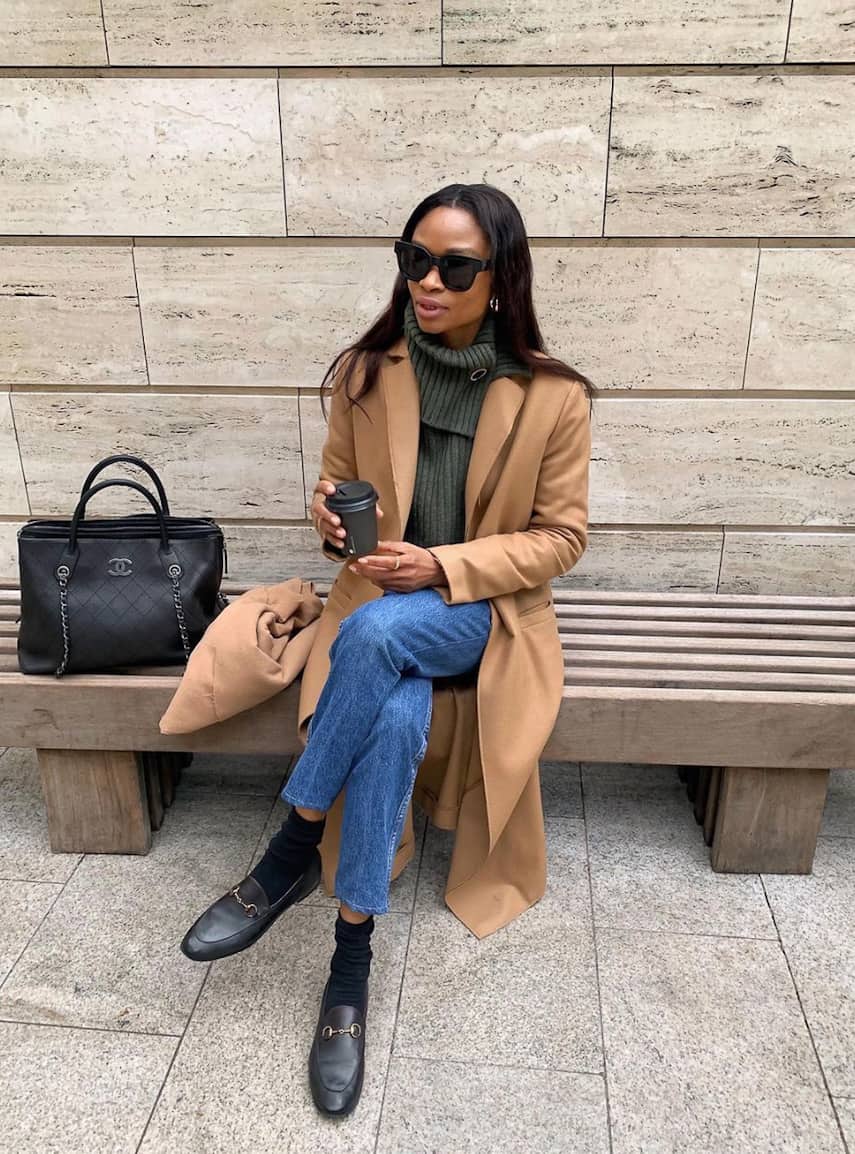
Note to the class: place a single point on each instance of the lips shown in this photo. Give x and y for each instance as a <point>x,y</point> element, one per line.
<point>430,308</point>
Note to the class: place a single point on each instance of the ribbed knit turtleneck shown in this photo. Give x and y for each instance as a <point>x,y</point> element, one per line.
<point>450,407</point>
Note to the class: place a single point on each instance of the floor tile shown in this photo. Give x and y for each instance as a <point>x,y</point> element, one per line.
<point>846,1113</point>
<point>707,1049</point>
<point>525,995</point>
<point>402,891</point>
<point>838,819</point>
<point>561,789</point>
<point>443,1107</point>
<point>261,775</point>
<point>77,1091</point>
<point>816,919</point>
<point>650,870</point>
<point>239,1081</point>
<point>108,953</point>
<point>25,851</point>
<point>22,907</point>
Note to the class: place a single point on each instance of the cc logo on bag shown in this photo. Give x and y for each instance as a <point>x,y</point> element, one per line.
<point>120,567</point>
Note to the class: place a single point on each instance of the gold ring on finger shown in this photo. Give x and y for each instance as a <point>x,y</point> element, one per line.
<point>397,563</point>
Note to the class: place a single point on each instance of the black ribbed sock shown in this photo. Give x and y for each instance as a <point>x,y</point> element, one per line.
<point>350,964</point>
<point>287,855</point>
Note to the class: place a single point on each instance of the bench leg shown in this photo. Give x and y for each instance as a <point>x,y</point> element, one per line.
<point>767,820</point>
<point>96,801</point>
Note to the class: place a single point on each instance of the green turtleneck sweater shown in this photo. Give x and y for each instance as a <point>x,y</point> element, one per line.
<point>450,407</point>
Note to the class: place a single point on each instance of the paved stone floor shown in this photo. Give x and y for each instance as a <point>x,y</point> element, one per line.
<point>645,1005</point>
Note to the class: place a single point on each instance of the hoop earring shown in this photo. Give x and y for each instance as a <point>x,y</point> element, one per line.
<point>494,304</point>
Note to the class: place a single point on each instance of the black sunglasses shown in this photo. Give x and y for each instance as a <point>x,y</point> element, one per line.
<point>457,272</point>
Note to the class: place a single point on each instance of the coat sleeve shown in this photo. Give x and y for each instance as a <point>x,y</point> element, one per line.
<point>558,530</point>
<point>338,457</point>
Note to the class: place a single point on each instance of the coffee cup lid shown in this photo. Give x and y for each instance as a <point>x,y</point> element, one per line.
<point>351,496</point>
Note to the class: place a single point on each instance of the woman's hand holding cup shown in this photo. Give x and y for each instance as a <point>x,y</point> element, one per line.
<point>328,524</point>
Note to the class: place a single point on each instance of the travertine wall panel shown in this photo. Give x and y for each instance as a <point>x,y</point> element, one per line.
<point>620,32</point>
<point>255,315</point>
<point>57,33</point>
<point>648,317</point>
<point>750,461</point>
<point>732,155</point>
<point>301,32</point>
<point>313,431</point>
<point>224,456</point>
<point>14,496</point>
<point>69,315</point>
<point>656,560</point>
<point>800,564</point>
<point>361,151</point>
<point>803,328</point>
<point>822,30</point>
<point>140,155</point>
<point>271,553</point>
<point>9,550</point>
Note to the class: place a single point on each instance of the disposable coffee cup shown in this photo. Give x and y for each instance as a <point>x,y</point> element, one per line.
<point>356,503</point>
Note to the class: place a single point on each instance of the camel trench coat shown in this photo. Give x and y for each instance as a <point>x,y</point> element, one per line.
<point>526,504</point>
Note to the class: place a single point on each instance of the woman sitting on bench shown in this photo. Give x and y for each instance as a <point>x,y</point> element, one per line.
<point>478,445</point>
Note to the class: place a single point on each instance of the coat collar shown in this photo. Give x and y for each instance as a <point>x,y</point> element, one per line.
<point>502,402</point>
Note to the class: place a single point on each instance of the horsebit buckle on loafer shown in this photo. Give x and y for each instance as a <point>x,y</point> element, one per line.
<point>354,1029</point>
<point>251,908</point>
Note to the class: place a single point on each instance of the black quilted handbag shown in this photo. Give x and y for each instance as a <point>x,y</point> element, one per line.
<point>135,590</point>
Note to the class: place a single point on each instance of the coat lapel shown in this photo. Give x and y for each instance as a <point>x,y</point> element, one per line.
<point>499,411</point>
<point>401,399</point>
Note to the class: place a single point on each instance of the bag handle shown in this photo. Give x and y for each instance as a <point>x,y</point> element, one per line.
<point>128,459</point>
<point>86,497</point>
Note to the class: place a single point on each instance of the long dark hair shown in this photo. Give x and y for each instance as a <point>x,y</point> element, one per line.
<point>516,324</point>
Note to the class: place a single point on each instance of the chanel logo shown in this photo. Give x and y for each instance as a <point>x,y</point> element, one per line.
<point>120,567</point>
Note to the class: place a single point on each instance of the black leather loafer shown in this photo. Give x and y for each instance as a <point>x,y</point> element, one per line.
<point>240,917</point>
<point>337,1058</point>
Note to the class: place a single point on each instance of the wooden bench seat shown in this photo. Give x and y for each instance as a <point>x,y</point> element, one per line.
<point>757,693</point>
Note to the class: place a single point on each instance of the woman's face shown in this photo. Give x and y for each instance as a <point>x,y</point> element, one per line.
<point>457,319</point>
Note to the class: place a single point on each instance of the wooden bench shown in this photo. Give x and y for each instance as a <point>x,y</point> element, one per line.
<point>752,696</point>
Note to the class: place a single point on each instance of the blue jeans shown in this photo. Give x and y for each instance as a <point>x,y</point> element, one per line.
<point>370,728</point>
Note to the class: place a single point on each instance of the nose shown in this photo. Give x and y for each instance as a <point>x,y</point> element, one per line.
<point>431,279</point>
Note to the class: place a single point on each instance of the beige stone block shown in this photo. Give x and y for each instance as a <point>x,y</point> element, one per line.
<point>741,461</point>
<point>264,32</point>
<point>648,560</point>
<point>647,317</point>
<point>822,30</point>
<point>361,151</point>
<point>256,315</point>
<point>803,326</point>
<point>140,155</point>
<point>70,316</point>
<point>313,432</point>
<point>9,550</point>
<point>51,33</point>
<point>798,564</point>
<point>587,32</point>
<point>13,494</point>
<point>220,456</point>
<point>272,553</point>
<point>735,154</point>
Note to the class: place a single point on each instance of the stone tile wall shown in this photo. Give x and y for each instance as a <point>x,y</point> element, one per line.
<point>197,208</point>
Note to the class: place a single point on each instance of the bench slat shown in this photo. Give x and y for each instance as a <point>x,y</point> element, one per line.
<point>754,662</point>
<point>678,678</point>
<point>596,723</point>
<point>648,643</point>
<point>709,629</point>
